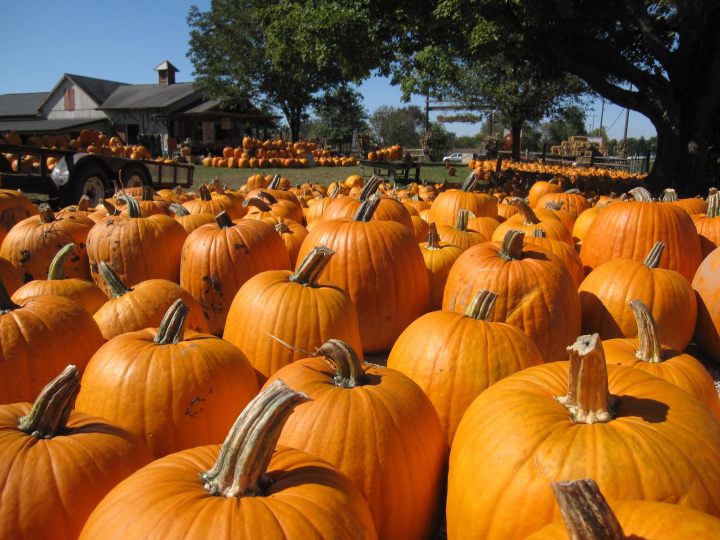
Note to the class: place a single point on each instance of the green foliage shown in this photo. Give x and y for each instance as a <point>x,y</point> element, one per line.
<point>441,141</point>
<point>565,124</point>
<point>338,114</point>
<point>397,125</point>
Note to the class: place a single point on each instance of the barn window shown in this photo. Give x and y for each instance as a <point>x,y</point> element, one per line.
<point>69,99</point>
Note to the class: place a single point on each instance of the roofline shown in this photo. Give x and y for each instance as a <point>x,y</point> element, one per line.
<point>70,77</point>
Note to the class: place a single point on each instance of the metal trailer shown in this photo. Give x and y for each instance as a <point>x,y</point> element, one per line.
<point>76,174</point>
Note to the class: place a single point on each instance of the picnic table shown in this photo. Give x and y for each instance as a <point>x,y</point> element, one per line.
<point>392,168</point>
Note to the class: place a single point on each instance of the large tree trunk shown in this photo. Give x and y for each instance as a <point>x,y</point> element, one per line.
<point>515,130</point>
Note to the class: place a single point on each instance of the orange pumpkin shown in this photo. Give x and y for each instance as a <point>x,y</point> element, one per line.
<point>708,225</point>
<point>439,258</point>
<point>529,220</point>
<point>542,187</point>
<point>189,221</point>
<point>445,207</point>
<point>459,235</point>
<point>567,254</point>
<point>705,285</point>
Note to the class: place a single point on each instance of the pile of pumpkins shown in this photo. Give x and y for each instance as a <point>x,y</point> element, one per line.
<point>275,153</point>
<point>391,153</point>
<point>192,364</point>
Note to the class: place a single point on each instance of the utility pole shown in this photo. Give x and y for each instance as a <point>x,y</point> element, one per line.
<point>627,120</point>
<point>602,112</point>
<point>427,113</point>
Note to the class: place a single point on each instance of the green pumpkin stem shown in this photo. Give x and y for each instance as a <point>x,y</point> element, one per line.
<point>45,213</point>
<point>348,366</point>
<point>588,399</point>
<point>461,221</point>
<point>482,305</point>
<point>669,195</point>
<point>172,326</point>
<point>179,209</point>
<point>529,217</point>
<point>433,238</point>
<point>653,258</point>
<point>367,209</point>
<point>275,182</point>
<point>268,197</point>
<point>649,348</point>
<point>115,287</point>
<point>469,183</point>
<point>57,265</point>
<point>641,194</point>
<point>309,270</point>
<point>241,467</point>
<point>713,205</point>
<point>133,207</point>
<point>586,513</point>
<point>258,203</point>
<point>6,303</point>
<point>50,412</point>
<point>370,188</point>
<point>223,220</point>
<point>512,245</point>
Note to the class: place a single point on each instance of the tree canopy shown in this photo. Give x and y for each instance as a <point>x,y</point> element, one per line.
<point>337,115</point>
<point>398,125</point>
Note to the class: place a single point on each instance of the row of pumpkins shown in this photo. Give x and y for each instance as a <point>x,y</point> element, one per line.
<point>173,321</point>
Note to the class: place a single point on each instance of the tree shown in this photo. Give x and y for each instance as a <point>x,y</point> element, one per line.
<point>564,124</point>
<point>281,53</point>
<point>441,141</point>
<point>339,113</point>
<point>398,125</point>
<point>660,58</point>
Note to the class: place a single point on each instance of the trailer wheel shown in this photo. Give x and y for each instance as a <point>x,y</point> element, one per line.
<point>134,175</point>
<point>92,181</point>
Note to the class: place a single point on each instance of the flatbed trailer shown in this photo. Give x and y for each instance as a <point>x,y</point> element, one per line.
<point>77,173</point>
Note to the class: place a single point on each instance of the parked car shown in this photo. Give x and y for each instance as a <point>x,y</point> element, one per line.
<point>457,157</point>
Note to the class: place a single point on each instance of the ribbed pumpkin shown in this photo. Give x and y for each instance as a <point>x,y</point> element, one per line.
<point>571,201</point>
<point>143,305</point>
<point>439,258</point>
<point>648,354</point>
<point>206,204</point>
<point>445,207</point>
<point>244,489</point>
<point>35,344</point>
<point>628,229</point>
<point>380,265</point>
<point>692,205</point>
<point>266,205</point>
<point>189,221</point>
<point>14,207</point>
<point>150,205</point>
<point>460,235</point>
<point>529,220</point>
<point>10,276</point>
<point>639,437</point>
<point>453,356</point>
<point>484,225</point>
<point>136,248</point>
<point>88,295</point>
<point>173,389</point>
<point>567,254</point>
<point>291,233</point>
<point>57,464</point>
<point>31,244</point>
<point>378,428</point>
<point>564,216</point>
<point>277,315</point>
<point>218,258</point>
<point>705,284</point>
<point>535,291</point>
<point>541,188</point>
<point>708,225</point>
<point>420,228</point>
<point>606,292</point>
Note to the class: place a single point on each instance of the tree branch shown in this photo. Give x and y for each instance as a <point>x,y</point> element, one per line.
<point>649,31</point>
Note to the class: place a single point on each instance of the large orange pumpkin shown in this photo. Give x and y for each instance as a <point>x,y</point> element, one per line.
<point>460,235</point>
<point>566,253</point>
<point>708,225</point>
<point>705,284</point>
<point>14,207</point>
<point>445,207</point>
<point>529,220</point>
<point>244,489</point>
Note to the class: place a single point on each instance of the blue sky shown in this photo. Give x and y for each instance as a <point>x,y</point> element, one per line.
<point>42,39</point>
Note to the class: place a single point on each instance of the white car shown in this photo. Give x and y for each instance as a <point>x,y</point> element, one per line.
<point>457,157</point>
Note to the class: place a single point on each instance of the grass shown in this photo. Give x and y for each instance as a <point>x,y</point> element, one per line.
<point>235,178</point>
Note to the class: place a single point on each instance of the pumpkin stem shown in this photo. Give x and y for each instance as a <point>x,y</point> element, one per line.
<point>335,192</point>
<point>282,228</point>
<point>461,222</point>
<point>573,191</point>
<point>179,209</point>
<point>223,220</point>
<point>218,186</point>
<point>275,182</point>
<point>653,258</point>
<point>267,197</point>
<point>470,181</point>
<point>45,213</point>
<point>367,209</point>
<point>110,208</point>
<point>57,268</point>
<point>370,188</point>
<point>713,205</point>
<point>133,207</point>
<point>148,193</point>
<point>172,326</point>
<point>512,245</point>
<point>482,305</point>
<point>348,367</point>
<point>641,194</point>
<point>528,215</point>
<point>649,348</point>
<point>669,195</point>
<point>83,204</point>
<point>588,399</point>
<point>51,410</point>
<point>433,238</point>
<point>585,511</point>
<point>6,303</point>
<point>539,233</point>
<point>553,205</point>
<point>241,466</point>
<point>257,203</point>
<point>312,266</point>
<point>204,193</point>
<point>116,288</point>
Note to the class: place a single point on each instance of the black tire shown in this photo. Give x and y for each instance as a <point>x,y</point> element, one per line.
<point>134,175</point>
<point>91,180</point>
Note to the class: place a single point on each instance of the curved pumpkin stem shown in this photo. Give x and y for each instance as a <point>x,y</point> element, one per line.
<point>57,268</point>
<point>312,266</point>
<point>512,245</point>
<point>245,455</point>
<point>204,193</point>
<point>172,326</point>
<point>482,305</point>
<point>268,197</point>
<point>588,399</point>
<point>653,258</point>
<point>282,228</point>
<point>539,233</point>
<point>470,181</point>
<point>179,210</point>
<point>433,238</point>
<point>133,207</point>
<point>641,194</point>
<point>223,220</point>
<point>585,511</point>
<point>275,182</point>
<point>110,209</point>
<point>50,412</point>
<point>6,303</point>
<point>461,222</point>
<point>713,205</point>
<point>335,192</point>
<point>348,367</point>
<point>529,217</point>
<point>45,213</point>
<point>649,349</point>
<point>367,209</point>
<point>669,195</point>
<point>370,188</point>
<point>218,186</point>
<point>258,203</point>
<point>148,193</point>
<point>116,288</point>
<point>83,204</point>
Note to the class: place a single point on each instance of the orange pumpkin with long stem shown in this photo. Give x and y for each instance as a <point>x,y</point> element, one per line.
<point>439,258</point>
<point>378,428</point>
<point>245,489</point>
<point>58,463</point>
<point>460,235</point>
<point>447,204</point>
<point>529,220</point>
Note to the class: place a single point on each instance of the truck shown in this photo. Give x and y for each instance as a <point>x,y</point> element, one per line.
<point>460,158</point>
<point>75,174</point>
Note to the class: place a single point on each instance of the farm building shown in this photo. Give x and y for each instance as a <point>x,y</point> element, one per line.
<point>160,115</point>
